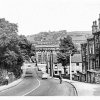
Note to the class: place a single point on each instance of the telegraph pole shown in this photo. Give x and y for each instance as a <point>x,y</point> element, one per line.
<point>70,68</point>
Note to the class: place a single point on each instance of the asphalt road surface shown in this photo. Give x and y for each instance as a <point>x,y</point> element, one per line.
<point>35,86</point>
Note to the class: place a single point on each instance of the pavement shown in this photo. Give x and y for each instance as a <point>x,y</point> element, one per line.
<point>85,89</point>
<point>14,83</point>
<point>10,85</point>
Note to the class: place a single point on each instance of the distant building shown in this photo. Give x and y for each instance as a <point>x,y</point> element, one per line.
<point>45,55</point>
<point>43,52</point>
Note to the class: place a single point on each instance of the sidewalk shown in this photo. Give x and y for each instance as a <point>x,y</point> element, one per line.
<point>5,87</point>
<point>85,89</point>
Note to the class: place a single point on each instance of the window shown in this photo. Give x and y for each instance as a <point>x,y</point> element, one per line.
<point>91,50</point>
<point>55,72</point>
<point>97,63</point>
<point>72,71</point>
<point>39,58</point>
<point>77,64</point>
<point>59,71</point>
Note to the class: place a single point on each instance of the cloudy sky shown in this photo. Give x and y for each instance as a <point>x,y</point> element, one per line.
<point>34,16</point>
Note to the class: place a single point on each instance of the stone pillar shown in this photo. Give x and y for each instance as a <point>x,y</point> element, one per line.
<point>42,57</point>
<point>47,62</point>
<point>51,64</point>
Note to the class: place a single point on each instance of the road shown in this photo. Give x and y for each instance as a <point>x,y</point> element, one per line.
<point>35,86</point>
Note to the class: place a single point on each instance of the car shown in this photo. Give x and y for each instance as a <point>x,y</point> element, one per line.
<point>45,76</point>
<point>28,71</point>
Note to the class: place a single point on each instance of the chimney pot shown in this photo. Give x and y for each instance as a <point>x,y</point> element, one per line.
<point>99,22</point>
<point>95,23</point>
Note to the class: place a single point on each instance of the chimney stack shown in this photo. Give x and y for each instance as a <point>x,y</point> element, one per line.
<point>93,27</point>
<point>96,26</point>
<point>99,22</point>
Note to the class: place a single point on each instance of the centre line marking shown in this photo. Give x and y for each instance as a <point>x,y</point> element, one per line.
<point>33,89</point>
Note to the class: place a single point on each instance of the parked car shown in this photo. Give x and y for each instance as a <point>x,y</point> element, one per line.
<point>45,76</point>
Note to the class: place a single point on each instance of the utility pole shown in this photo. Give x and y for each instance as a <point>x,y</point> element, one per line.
<point>70,67</point>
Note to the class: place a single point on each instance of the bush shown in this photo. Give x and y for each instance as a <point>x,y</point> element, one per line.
<point>3,81</point>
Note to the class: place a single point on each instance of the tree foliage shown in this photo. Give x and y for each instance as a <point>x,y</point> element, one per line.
<point>13,48</point>
<point>27,49</point>
<point>66,46</point>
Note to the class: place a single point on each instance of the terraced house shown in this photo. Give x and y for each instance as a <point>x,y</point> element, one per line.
<point>91,55</point>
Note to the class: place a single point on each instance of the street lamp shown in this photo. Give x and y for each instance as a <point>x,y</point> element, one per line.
<point>70,67</point>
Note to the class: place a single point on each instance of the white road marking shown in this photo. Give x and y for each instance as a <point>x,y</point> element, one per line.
<point>33,89</point>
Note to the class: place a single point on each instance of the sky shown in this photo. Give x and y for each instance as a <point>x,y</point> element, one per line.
<point>34,16</point>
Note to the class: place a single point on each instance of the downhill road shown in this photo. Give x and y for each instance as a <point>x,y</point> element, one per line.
<point>35,86</point>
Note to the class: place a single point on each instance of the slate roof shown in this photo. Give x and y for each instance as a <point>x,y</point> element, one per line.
<point>76,58</point>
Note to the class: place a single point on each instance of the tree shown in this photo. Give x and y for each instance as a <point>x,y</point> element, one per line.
<point>27,49</point>
<point>11,58</point>
<point>14,49</point>
<point>66,45</point>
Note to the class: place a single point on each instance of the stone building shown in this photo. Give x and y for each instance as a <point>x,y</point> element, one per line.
<point>91,59</point>
<point>45,55</point>
<point>93,55</point>
<point>43,52</point>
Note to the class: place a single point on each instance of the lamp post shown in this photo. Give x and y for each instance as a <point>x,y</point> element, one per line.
<point>70,67</point>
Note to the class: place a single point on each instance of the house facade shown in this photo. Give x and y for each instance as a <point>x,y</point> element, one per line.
<point>58,68</point>
<point>92,64</point>
<point>76,66</point>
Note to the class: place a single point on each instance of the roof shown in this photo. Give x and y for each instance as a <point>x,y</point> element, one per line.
<point>76,58</point>
<point>94,71</point>
<point>81,38</point>
<point>85,42</point>
<point>54,58</point>
<point>47,46</point>
<point>90,37</point>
